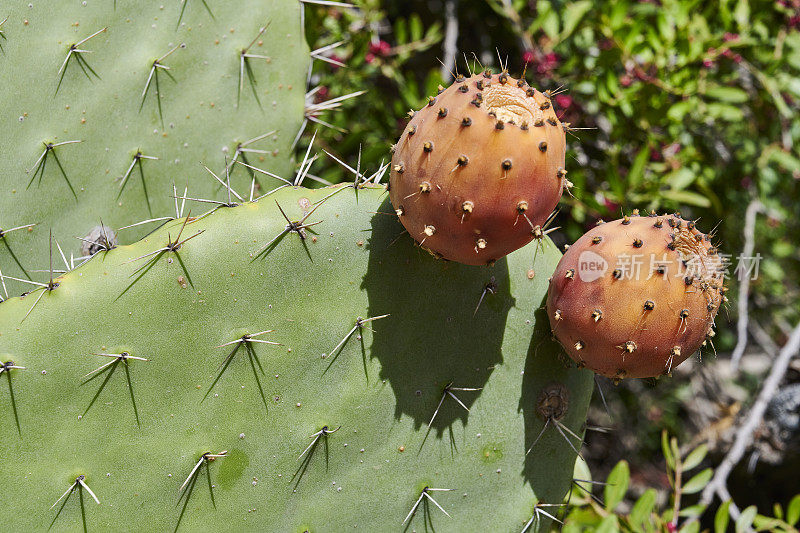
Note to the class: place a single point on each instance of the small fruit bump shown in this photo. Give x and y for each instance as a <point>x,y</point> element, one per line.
<point>553,402</point>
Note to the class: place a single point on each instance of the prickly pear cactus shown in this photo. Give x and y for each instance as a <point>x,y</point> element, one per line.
<point>478,171</point>
<point>109,103</point>
<point>319,372</point>
<point>637,296</point>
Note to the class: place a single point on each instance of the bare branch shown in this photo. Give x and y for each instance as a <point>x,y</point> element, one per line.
<point>744,283</point>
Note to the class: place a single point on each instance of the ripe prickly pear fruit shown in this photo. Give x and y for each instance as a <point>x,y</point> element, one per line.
<point>637,296</point>
<point>479,168</point>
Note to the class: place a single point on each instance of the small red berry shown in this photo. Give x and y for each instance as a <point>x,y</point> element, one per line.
<point>563,100</point>
<point>528,56</point>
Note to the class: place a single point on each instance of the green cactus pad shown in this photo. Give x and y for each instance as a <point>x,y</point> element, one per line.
<point>192,111</point>
<point>136,434</point>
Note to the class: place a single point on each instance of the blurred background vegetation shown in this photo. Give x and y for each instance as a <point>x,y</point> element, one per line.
<point>688,105</point>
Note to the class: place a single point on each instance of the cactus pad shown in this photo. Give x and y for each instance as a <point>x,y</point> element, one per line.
<point>319,372</point>
<point>109,103</point>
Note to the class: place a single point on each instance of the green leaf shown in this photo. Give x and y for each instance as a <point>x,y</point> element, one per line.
<point>680,179</point>
<point>637,169</point>
<point>692,511</point>
<point>695,457</point>
<point>550,24</point>
<point>617,485</point>
<point>786,160</point>
<point>415,24</point>
<point>401,31</point>
<point>679,110</point>
<point>668,457</point>
<point>640,513</point>
<point>722,517</point>
<point>572,16</point>
<point>766,523</point>
<point>741,14</point>
<point>686,197</point>
<point>618,16</point>
<point>581,470</point>
<point>725,112</point>
<point>793,511</point>
<point>666,26</point>
<point>691,527</point>
<point>745,520</point>
<point>698,482</point>
<point>608,525</point>
<point>731,95</point>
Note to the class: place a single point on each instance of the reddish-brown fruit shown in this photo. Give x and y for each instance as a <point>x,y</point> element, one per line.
<point>474,148</point>
<point>636,297</point>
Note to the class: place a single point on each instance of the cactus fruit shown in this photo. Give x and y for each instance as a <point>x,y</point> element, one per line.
<point>479,169</point>
<point>637,296</point>
<point>146,378</point>
<point>149,99</point>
